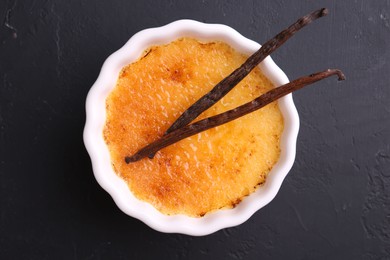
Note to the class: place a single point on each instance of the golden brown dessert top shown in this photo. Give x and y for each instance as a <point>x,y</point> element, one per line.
<point>211,170</point>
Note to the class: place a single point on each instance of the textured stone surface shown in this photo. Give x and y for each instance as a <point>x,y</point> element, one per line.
<point>334,204</point>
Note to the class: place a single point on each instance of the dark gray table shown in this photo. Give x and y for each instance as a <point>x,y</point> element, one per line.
<point>334,204</point>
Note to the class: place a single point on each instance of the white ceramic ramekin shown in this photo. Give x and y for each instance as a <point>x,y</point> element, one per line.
<point>99,153</point>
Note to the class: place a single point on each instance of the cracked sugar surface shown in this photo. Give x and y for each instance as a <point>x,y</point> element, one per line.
<point>211,170</point>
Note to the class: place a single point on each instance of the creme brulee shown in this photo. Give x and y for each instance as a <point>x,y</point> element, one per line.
<point>212,170</point>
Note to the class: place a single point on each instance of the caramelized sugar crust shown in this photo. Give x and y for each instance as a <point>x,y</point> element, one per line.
<point>211,170</point>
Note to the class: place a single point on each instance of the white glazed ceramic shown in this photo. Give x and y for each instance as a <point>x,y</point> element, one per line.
<point>99,153</point>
